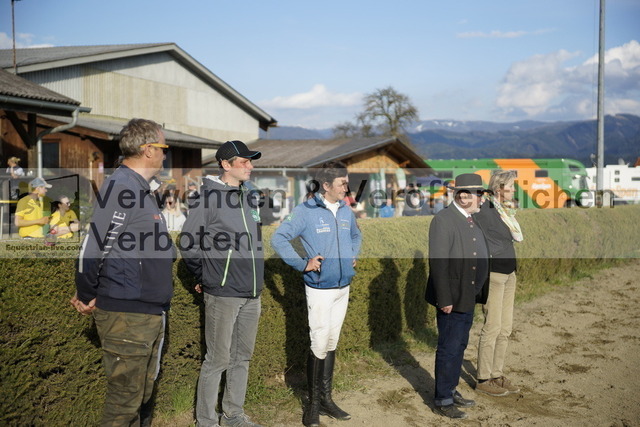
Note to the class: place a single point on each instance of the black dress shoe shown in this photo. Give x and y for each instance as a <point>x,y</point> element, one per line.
<point>450,411</point>
<point>461,402</point>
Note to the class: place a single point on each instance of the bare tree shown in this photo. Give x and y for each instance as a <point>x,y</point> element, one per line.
<point>390,111</point>
<point>386,112</point>
<point>346,130</point>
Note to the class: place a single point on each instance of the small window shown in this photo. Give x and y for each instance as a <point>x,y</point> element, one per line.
<point>51,155</point>
<point>635,178</point>
<point>542,173</point>
<point>616,180</point>
<point>617,172</point>
<point>444,174</point>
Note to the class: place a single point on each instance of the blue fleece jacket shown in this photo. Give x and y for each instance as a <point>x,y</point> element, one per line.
<point>336,238</point>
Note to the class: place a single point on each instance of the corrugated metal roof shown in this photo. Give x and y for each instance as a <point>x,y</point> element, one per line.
<point>309,153</point>
<point>43,55</point>
<point>293,153</point>
<point>112,128</point>
<point>12,85</point>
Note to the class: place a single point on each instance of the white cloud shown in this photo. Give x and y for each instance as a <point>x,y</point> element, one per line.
<point>628,53</point>
<point>23,40</point>
<point>544,87</point>
<point>501,34</point>
<point>318,96</point>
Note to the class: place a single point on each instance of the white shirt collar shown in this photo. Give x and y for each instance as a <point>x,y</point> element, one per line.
<point>333,207</point>
<point>462,211</point>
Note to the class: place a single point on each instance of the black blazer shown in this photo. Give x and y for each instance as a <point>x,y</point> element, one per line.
<point>452,263</point>
<point>498,235</point>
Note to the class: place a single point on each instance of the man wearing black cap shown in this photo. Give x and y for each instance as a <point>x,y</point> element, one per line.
<point>458,279</point>
<point>226,257</point>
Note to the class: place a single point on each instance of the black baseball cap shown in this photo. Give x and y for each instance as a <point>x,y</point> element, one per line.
<point>232,149</point>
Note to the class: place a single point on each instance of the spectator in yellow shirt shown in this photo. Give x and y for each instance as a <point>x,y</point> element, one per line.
<point>63,220</point>
<point>30,218</point>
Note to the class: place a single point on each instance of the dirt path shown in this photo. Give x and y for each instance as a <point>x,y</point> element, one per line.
<point>575,353</point>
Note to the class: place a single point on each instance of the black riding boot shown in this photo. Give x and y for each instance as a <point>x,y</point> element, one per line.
<point>327,405</point>
<point>315,368</point>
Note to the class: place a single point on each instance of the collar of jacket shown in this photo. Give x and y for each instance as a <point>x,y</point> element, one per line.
<point>318,200</point>
<point>135,175</point>
<point>212,179</point>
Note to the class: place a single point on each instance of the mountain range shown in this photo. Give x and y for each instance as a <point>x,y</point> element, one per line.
<point>456,139</point>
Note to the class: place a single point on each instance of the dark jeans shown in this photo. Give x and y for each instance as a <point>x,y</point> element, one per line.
<point>453,336</point>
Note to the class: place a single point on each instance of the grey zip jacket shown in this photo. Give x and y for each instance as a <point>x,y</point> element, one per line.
<point>221,241</point>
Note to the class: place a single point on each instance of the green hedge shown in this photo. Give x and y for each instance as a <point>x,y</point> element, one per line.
<point>50,367</point>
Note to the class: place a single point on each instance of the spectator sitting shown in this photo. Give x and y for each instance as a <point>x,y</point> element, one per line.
<point>63,220</point>
<point>15,172</point>
<point>387,210</point>
<point>30,218</point>
<point>413,201</point>
<point>172,213</point>
<point>438,205</point>
<point>192,194</point>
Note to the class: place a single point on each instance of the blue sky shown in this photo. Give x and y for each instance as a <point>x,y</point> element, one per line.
<point>309,63</point>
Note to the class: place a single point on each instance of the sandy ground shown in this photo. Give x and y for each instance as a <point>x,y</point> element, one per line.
<point>575,353</point>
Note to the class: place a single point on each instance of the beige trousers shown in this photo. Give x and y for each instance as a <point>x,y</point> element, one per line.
<point>498,322</point>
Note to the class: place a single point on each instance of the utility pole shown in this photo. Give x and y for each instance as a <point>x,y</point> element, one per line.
<point>600,157</point>
<point>13,29</point>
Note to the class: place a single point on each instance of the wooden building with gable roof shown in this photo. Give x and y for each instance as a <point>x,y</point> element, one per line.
<point>378,167</point>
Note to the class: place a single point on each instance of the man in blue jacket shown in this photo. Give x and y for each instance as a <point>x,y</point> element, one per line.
<point>331,239</point>
<point>221,246</point>
<point>124,275</point>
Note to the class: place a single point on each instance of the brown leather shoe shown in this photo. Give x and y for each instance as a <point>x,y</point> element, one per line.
<point>507,385</point>
<point>492,388</point>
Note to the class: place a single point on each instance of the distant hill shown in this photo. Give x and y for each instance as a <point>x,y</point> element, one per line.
<point>453,139</point>
<point>576,140</point>
<point>474,126</point>
<point>295,132</point>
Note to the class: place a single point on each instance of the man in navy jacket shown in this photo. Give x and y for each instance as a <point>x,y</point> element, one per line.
<point>124,275</point>
<point>458,279</point>
<point>331,239</point>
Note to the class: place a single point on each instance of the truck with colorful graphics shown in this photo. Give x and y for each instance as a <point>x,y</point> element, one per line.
<point>540,183</point>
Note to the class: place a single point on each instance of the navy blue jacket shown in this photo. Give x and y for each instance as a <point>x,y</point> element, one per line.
<point>126,258</point>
